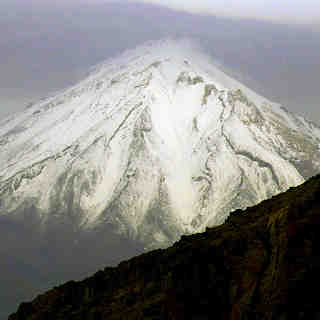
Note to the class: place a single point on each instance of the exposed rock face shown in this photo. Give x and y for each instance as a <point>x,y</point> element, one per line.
<point>263,263</point>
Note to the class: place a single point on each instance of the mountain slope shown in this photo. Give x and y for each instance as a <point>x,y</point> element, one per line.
<point>153,144</point>
<point>261,264</point>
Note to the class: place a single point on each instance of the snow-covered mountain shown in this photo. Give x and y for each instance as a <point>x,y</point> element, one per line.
<point>154,143</point>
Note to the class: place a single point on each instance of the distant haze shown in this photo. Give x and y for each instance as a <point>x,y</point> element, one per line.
<point>284,11</point>
<point>291,11</point>
<point>46,47</point>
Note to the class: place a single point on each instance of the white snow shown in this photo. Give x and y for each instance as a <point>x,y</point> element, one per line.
<point>90,128</point>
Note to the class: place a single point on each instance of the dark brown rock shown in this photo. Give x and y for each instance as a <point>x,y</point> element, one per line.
<point>263,263</point>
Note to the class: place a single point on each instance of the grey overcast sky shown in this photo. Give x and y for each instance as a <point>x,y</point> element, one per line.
<point>283,11</point>
<point>48,45</point>
<point>293,11</point>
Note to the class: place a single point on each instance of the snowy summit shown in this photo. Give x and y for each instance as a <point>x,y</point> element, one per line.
<point>155,143</point>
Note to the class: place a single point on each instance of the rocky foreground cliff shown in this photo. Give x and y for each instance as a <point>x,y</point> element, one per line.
<point>263,263</point>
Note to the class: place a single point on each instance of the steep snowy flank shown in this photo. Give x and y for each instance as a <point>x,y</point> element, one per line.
<point>154,143</point>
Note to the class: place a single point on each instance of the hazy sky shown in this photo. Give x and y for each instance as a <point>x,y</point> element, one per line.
<point>283,11</point>
<point>46,46</point>
<point>297,11</point>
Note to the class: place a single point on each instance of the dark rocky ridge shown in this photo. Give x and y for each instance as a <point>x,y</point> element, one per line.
<point>263,263</point>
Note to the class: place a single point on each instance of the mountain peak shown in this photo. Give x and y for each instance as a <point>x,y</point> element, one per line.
<point>154,143</point>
